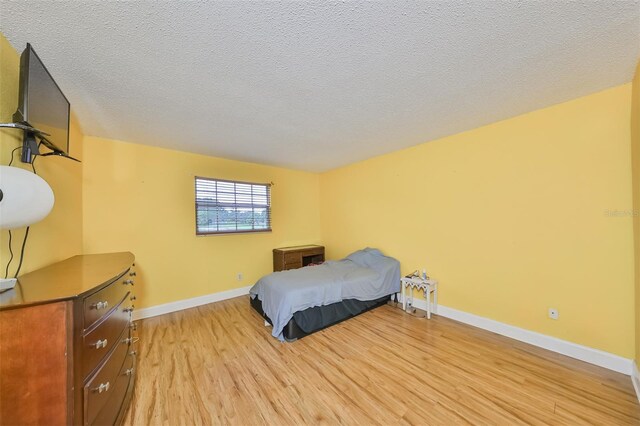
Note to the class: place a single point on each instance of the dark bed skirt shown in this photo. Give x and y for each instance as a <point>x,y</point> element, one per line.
<point>317,318</point>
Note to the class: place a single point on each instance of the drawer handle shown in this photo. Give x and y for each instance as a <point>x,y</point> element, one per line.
<point>129,371</point>
<point>130,340</point>
<point>101,305</point>
<point>127,282</point>
<point>100,344</point>
<point>129,309</point>
<point>103,387</point>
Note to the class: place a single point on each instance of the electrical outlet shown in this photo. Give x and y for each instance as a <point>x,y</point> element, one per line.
<point>553,313</point>
<point>239,277</point>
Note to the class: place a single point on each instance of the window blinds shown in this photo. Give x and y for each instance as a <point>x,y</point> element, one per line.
<point>224,206</point>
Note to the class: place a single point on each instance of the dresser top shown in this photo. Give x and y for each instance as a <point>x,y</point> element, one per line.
<point>68,279</point>
<point>298,248</point>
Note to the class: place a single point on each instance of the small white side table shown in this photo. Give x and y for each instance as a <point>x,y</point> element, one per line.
<point>428,286</point>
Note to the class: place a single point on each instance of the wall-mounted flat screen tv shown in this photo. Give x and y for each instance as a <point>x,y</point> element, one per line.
<point>41,104</point>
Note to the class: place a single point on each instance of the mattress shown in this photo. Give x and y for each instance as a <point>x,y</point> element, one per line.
<point>317,318</point>
<point>365,275</point>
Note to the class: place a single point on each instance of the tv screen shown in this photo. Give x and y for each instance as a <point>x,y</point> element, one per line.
<point>42,104</point>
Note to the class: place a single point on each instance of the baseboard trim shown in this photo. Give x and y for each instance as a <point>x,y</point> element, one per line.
<point>583,353</point>
<point>635,379</point>
<point>179,305</point>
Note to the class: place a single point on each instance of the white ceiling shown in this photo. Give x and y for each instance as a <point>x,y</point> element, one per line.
<point>316,85</point>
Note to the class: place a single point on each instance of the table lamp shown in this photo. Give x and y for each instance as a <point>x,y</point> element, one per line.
<point>25,198</point>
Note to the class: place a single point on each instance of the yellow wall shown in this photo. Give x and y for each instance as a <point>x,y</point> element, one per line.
<point>635,150</point>
<point>511,218</point>
<point>141,199</point>
<point>59,235</point>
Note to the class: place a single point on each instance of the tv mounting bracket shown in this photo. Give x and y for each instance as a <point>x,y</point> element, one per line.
<point>30,147</point>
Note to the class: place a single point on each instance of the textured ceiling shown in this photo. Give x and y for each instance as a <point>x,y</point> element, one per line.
<point>317,85</point>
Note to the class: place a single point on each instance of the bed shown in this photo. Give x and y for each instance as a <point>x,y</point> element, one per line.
<point>301,301</point>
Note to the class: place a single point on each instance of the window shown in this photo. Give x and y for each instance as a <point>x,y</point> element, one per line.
<point>224,206</point>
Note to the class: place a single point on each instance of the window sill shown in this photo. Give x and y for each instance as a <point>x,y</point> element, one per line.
<point>256,231</point>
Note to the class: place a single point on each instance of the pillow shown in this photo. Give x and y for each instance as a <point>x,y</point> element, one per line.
<point>367,257</point>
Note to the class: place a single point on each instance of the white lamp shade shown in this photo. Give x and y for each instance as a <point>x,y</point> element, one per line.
<point>26,198</point>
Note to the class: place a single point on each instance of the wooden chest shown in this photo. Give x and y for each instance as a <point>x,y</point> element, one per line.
<point>67,343</point>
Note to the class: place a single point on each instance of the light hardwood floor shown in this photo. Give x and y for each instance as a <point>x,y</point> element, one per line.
<point>218,364</point>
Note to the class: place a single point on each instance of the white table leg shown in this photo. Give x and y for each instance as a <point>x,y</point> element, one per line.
<point>404,299</point>
<point>427,291</point>
<point>411,297</point>
<point>435,299</point>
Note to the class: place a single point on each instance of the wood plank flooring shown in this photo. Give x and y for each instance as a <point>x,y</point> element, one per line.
<point>218,364</point>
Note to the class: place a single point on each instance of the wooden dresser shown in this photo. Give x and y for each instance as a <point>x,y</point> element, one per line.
<point>296,257</point>
<point>67,344</point>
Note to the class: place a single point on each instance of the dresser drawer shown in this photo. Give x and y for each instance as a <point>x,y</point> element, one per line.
<point>99,341</point>
<point>101,302</point>
<point>105,384</point>
<point>292,257</point>
<point>292,265</point>
<point>313,253</point>
<point>112,407</point>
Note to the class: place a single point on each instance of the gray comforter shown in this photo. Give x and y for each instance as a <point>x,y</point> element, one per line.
<point>364,275</point>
